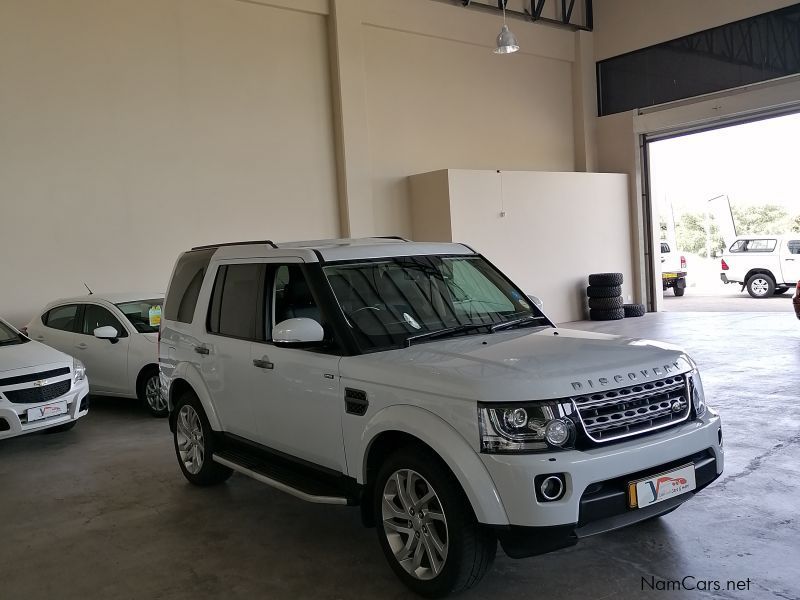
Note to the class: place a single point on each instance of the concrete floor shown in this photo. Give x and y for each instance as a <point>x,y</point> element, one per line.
<point>103,511</point>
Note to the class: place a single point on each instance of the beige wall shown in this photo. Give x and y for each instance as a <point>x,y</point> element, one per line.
<point>557,228</point>
<point>625,25</point>
<point>132,130</point>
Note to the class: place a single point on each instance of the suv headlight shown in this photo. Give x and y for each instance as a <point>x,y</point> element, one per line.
<point>78,371</point>
<point>529,427</point>
<point>697,393</point>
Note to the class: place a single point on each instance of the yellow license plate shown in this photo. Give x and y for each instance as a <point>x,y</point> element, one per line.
<point>669,275</point>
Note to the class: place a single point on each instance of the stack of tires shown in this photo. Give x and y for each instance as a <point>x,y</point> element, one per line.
<point>605,298</point>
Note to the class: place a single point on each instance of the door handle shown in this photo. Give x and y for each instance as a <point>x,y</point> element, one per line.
<point>789,259</point>
<point>82,346</point>
<point>202,350</point>
<point>263,364</point>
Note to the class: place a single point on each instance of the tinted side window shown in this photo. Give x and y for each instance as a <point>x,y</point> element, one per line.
<point>61,317</point>
<point>96,316</point>
<point>237,303</point>
<point>185,286</point>
<point>794,246</point>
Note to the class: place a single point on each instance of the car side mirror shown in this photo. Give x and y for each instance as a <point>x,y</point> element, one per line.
<point>107,332</point>
<point>298,333</point>
<point>537,302</point>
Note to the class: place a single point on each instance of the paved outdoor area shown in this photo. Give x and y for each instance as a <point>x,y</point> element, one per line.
<point>103,511</point>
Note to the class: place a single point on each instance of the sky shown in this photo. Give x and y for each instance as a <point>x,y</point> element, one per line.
<point>754,163</point>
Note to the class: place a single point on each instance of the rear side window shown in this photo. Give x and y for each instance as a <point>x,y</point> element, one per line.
<point>63,318</point>
<point>185,286</point>
<point>237,303</point>
<point>794,246</point>
<point>764,245</point>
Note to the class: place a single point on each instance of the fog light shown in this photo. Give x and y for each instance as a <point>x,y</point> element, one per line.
<point>552,488</point>
<point>557,432</point>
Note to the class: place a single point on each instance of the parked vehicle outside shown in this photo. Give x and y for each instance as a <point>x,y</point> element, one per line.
<point>796,300</point>
<point>765,265</point>
<point>115,335</point>
<point>673,270</point>
<point>417,381</point>
<point>40,388</point>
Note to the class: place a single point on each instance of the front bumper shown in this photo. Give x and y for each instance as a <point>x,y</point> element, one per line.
<point>595,499</point>
<point>13,420</point>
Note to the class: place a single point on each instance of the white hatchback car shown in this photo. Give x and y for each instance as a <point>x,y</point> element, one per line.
<point>40,388</point>
<point>115,335</point>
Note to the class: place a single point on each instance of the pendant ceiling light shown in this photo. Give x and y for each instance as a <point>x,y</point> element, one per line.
<point>506,41</point>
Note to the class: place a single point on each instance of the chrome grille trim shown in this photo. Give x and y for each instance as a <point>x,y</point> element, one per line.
<point>633,410</point>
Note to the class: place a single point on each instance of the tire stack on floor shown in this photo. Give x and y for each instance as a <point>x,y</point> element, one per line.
<point>605,298</point>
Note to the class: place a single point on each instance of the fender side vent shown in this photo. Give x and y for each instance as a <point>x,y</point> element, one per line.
<point>355,402</point>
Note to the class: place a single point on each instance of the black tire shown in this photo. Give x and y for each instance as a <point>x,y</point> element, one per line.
<point>209,472</point>
<point>471,547</point>
<point>634,310</point>
<point>159,408</point>
<point>605,303</point>
<point>60,428</point>
<point>605,279</point>
<point>603,291</point>
<point>761,285</point>
<point>607,315</point>
<point>780,290</point>
<point>679,291</point>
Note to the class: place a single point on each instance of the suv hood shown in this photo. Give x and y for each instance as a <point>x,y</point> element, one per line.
<point>30,354</point>
<point>519,365</point>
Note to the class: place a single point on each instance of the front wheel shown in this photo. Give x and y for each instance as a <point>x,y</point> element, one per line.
<point>149,392</point>
<point>194,443</point>
<point>427,529</point>
<point>761,285</point>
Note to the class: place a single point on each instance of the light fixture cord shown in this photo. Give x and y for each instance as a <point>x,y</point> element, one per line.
<point>503,3</point>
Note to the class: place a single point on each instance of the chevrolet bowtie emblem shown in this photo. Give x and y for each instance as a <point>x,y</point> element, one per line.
<point>40,383</point>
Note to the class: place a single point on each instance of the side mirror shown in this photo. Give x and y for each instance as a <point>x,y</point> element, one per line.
<point>299,332</point>
<point>107,332</point>
<point>537,302</point>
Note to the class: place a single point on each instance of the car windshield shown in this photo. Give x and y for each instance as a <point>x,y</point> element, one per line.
<point>10,336</point>
<point>391,302</point>
<point>144,315</point>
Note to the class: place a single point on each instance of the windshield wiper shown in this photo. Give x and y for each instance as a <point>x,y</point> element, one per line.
<point>518,322</point>
<point>429,335</point>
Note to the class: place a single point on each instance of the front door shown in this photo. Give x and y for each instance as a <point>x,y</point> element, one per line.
<point>106,360</point>
<point>298,401</point>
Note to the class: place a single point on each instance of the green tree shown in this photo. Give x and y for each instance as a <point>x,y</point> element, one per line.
<point>690,234</point>
<point>764,218</point>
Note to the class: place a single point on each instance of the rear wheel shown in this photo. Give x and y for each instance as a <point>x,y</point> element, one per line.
<point>194,443</point>
<point>761,285</point>
<point>427,529</point>
<point>679,291</point>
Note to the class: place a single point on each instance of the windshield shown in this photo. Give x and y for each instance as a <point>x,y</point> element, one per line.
<point>391,301</point>
<point>9,335</point>
<point>144,315</point>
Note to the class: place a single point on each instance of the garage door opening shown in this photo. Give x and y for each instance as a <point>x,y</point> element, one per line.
<point>710,189</point>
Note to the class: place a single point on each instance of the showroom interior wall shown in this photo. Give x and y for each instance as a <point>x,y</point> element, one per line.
<point>131,130</point>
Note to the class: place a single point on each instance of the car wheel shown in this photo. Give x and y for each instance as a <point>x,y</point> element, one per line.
<point>761,285</point>
<point>605,303</point>
<point>194,443</point>
<point>60,428</point>
<point>615,314</point>
<point>149,393</point>
<point>781,290</point>
<point>603,291</point>
<point>427,529</point>
<point>634,310</point>
<point>679,291</point>
<point>605,279</point>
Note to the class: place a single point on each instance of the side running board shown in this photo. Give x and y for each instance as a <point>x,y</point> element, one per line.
<point>279,477</point>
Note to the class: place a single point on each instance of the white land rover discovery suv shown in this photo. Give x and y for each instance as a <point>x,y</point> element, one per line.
<point>418,382</point>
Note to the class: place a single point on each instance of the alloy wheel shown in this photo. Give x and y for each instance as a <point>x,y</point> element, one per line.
<point>152,394</point>
<point>415,524</point>
<point>189,434</point>
<point>760,286</point>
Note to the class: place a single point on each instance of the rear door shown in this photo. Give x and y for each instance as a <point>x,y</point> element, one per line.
<point>790,260</point>
<point>57,328</point>
<point>106,360</point>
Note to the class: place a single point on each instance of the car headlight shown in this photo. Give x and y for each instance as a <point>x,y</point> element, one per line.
<point>697,393</point>
<point>529,427</point>
<point>78,371</point>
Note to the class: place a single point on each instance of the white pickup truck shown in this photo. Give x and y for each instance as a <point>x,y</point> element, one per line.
<point>673,270</point>
<point>766,265</point>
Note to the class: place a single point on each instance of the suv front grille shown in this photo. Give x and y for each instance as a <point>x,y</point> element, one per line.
<point>624,412</point>
<point>35,395</point>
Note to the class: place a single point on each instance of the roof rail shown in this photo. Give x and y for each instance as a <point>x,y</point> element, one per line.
<point>390,237</point>
<point>209,246</point>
